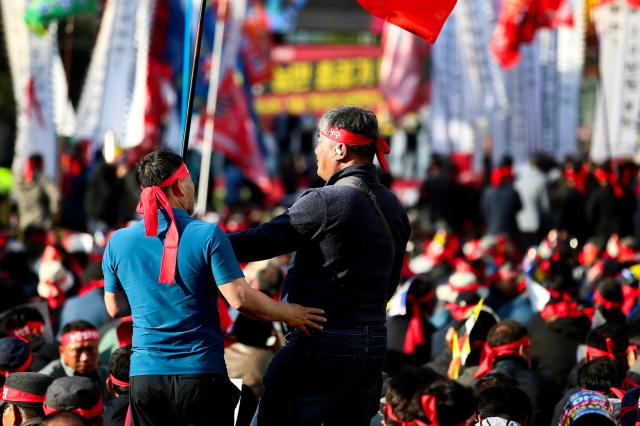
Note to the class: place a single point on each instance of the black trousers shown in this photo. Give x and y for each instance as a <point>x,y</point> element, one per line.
<point>185,400</point>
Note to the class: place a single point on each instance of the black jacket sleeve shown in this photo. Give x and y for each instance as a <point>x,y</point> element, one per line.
<point>303,222</point>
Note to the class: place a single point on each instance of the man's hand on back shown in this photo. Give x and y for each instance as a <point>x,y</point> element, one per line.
<point>301,317</point>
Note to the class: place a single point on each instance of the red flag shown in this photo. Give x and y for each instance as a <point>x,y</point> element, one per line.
<point>518,22</point>
<point>422,17</point>
<point>401,71</point>
<point>235,133</point>
<point>255,48</point>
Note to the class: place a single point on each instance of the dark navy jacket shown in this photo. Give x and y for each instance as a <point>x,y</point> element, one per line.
<point>343,262</point>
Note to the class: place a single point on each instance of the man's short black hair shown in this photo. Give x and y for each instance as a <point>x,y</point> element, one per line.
<point>357,120</point>
<point>157,167</point>
<point>401,388</point>
<point>506,332</point>
<point>455,403</point>
<point>119,364</point>
<point>601,374</point>
<point>78,325</point>
<point>509,403</point>
<point>495,379</point>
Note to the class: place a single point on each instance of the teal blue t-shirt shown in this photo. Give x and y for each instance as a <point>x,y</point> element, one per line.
<point>176,328</point>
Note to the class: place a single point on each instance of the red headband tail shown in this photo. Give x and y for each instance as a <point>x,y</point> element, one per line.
<point>356,139</point>
<point>148,207</point>
<point>428,404</point>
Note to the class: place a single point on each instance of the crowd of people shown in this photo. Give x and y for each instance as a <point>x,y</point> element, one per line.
<point>512,297</point>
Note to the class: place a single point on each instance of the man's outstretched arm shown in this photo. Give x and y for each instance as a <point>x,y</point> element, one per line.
<point>284,234</point>
<point>256,304</point>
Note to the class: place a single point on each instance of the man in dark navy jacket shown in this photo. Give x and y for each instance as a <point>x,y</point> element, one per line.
<point>349,238</point>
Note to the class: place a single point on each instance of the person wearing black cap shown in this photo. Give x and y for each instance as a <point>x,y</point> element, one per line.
<point>15,356</point>
<point>22,398</point>
<point>350,239</point>
<point>77,395</point>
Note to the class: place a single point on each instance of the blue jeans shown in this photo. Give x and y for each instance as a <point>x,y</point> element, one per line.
<point>333,377</point>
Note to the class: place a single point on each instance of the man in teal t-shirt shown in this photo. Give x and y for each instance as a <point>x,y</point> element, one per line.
<point>167,270</point>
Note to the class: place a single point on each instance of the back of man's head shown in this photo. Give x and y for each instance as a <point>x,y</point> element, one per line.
<point>601,374</point>
<point>156,167</point>
<point>609,339</point>
<point>508,403</point>
<point>119,364</point>
<point>401,388</point>
<point>357,120</point>
<point>495,379</point>
<point>454,403</point>
<point>506,332</point>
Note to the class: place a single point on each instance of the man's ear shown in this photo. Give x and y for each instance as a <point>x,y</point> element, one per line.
<point>176,188</point>
<point>340,151</point>
<point>15,415</point>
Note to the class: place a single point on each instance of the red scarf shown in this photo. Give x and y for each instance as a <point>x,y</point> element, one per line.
<point>489,354</point>
<point>415,331</point>
<point>355,139</point>
<point>148,207</point>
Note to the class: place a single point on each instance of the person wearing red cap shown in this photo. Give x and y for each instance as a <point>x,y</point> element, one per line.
<point>166,272</point>
<point>350,238</point>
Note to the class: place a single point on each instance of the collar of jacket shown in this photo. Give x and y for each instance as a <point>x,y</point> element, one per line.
<point>366,172</point>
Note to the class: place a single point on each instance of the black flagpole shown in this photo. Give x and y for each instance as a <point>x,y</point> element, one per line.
<point>192,84</point>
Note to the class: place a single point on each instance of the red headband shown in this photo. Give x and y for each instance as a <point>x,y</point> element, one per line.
<point>489,354</point>
<point>32,327</point>
<point>24,367</point>
<point>118,382</point>
<point>148,207</point>
<point>605,303</point>
<point>13,395</point>
<point>79,336</point>
<point>594,352</point>
<point>349,138</point>
<point>88,413</point>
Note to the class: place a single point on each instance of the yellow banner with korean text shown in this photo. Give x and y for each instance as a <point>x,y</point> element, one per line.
<point>314,78</point>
